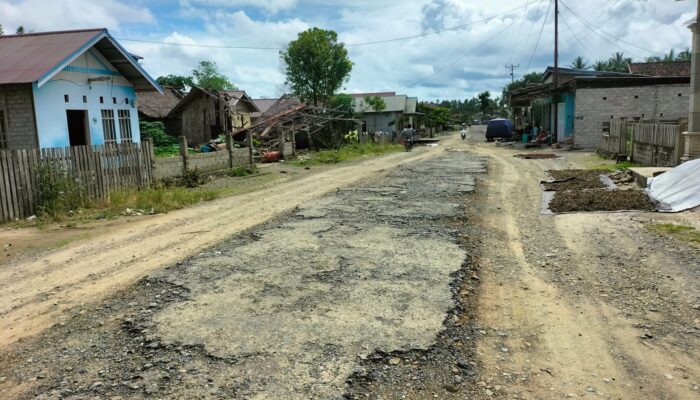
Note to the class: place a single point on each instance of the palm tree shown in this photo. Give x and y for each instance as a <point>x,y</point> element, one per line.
<point>653,59</point>
<point>601,65</point>
<point>671,56</point>
<point>618,62</point>
<point>579,63</point>
<point>684,55</point>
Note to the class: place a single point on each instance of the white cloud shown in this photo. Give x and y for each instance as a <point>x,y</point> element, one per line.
<point>42,15</point>
<point>272,6</point>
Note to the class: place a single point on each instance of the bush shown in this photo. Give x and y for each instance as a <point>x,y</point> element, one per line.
<point>57,192</point>
<point>189,179</point>
<point>242,171</point>
<point>156,131</point>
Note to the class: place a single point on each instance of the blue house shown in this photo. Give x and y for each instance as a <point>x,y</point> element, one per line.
<point>68,88</point>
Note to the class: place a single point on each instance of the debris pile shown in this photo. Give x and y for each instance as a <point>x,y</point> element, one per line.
<point>573,179</point>
<point>536,156</point>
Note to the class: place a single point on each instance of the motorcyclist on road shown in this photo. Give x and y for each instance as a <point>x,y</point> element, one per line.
<point>407,135</point>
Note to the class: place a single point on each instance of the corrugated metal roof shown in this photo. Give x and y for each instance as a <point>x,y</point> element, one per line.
<point>36,57</point>
<point>27,58</point>
<point>392,104</point>
<point>380,94</point>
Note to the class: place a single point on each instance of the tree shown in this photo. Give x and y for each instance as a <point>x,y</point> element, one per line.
<point>618,62</point>
<point>684,55</point>
<point>484,102</point>
<point>434,116</point>
<point>207,76</point>
<point>180,83</point>
<point>316,65</point>
<point>20,30</point>
<point>579,63</point>
<point>601,65</point>
<point>375,103</point>
<point>671,56</point>
<point>2,31</point>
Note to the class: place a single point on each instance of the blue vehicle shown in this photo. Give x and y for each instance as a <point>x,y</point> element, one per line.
<point>499,128</point>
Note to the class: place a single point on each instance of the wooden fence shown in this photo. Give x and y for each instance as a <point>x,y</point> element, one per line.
<point>97,170</point>
<point>613,143</point>
<point>656,145</point>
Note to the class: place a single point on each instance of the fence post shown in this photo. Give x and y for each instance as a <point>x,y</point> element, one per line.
<point>281,143</point>
<point>294,143</point>
<point>184,154</point>
<point>229,147</point>
<point>680,142</point>
<point>249,139</point>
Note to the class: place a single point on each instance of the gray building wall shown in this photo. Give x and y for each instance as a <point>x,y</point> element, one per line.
<point>381,121</point>
<point>17,103</point>
<point>597,105</point>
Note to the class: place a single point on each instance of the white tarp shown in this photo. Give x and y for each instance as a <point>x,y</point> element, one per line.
<point>677,189</point>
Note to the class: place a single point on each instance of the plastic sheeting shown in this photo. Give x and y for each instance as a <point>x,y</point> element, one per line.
<point>677,189</point>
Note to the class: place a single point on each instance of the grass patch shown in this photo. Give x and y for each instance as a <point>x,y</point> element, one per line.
<point>172,150</point>
<point>615,167</point>
<point>243,170</point>
<point>160,200</point>
<point>685,233</point>
<point>346,153</point>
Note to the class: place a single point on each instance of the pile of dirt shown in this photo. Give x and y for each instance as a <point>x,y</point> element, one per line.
<point>536,156</point>
<point>574,179</point>
<point>600,200</point>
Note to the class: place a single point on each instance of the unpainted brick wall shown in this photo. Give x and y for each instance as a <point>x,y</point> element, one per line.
<point>17,102</point>
<point>598,105</point>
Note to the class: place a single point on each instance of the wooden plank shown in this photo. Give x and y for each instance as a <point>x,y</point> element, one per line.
<point>26,182</point>
<point>16,210</point>
<point>4,190</point>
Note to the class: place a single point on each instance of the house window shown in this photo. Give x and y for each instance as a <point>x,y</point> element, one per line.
<point>114,100</point>
<point>84,99</point>
<point>605,98</point>
<point>66,98</point>
<point>102,100</point>
<point>636,97</point>
<point>125,125</point>
<point>680,94</point>
<point>3,135</point>
<point>126,100</point>
<point>108,127</point>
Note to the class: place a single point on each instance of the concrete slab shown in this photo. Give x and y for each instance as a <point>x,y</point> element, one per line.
<point>641,174</point>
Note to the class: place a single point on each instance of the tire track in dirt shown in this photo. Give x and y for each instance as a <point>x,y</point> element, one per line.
<point>35,293</point>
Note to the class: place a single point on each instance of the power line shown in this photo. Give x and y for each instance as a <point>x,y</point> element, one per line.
<point>577,39</point>
<point>534,50</point>
<point>396,39</point>
<point>517,37</point>
<point>482,44</point>
<point>532,26</point>
<point>607,33</point>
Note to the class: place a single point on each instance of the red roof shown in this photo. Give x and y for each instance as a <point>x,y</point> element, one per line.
<point>27,58</point>
<point>662,68</point>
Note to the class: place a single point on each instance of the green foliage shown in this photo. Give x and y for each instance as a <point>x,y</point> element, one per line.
<point>615,167</point>
<point>344,103</point>
<point>243,170</point>
<point>189,179</point>
<point>580,63</point>
<point>20,30</point>
<point>156,131</point>
<point>434,115</point>
<point>616,63</point>
<point>57,192</point>
<point>160,199</point>
<point>684,55</point>
<point>180,83</point>
<point>345,153</point>
<point>316,65</point>
<point>2,30</point>
<point>681,232</point>
<point>375,103</point>
<point>207,76</point>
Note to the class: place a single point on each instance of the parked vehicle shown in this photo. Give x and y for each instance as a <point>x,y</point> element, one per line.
<point>499,128</point>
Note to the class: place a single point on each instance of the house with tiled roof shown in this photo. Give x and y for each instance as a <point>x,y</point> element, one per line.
<point>69,88</point>
<point>661,68</point>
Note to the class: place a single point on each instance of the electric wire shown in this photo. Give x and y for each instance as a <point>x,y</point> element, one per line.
<point>532,26</point>
<point>576,37</point>
<point>534,50</point>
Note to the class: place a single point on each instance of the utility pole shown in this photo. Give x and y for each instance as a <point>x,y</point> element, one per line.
<point>512,68</point>
<point>555,96</point>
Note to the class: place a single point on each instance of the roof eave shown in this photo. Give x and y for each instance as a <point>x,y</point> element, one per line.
<point>59,67</point>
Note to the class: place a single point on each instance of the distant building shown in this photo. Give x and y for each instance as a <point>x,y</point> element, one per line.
<point>156,108</point>
<point>68,88</point>
<point>399,111</point>
<point>271,107</point>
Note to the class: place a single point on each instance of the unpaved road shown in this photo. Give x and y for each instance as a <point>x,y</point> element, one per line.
<point>288,309</point>
<point>36,292</point>
<point>406,283</point>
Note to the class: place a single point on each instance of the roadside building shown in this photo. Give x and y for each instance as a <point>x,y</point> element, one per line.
<point>589,100</point>
<point>205,114</point>
<point>271,107</point>
<point>398,112</point>
<point>68,88</point>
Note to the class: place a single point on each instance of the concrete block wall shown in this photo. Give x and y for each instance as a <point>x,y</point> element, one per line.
<point>597,105</point>
<point>172,167</point>
<point>17,103</point>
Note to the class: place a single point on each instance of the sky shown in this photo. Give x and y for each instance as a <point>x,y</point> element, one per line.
<point>444,49</point>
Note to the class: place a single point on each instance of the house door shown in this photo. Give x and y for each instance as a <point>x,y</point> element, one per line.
<point>77,127</point>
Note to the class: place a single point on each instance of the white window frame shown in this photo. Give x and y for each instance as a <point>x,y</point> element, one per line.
<point>109,127</point>
<point>125,134</point>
